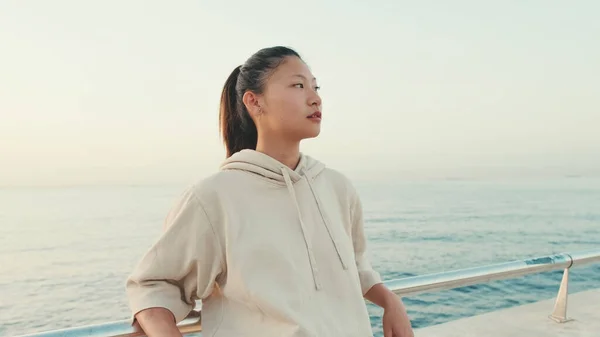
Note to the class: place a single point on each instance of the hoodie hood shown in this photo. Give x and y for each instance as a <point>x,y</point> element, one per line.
<point>307,169</point>
<point>270,168</point>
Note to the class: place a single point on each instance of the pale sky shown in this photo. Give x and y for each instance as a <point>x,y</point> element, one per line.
<point>128,91</point>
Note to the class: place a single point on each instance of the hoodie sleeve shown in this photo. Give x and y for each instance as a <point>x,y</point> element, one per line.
<point>181,266</point>
<point>368,276</point>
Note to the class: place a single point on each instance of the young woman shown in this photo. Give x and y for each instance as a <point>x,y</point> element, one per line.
<point>273,243</point>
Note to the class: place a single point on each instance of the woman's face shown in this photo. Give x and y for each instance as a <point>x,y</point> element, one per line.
<point>289,106</point>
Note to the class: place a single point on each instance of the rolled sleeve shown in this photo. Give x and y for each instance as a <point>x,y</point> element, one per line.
<point>157,295</point>
<point>181,267</point>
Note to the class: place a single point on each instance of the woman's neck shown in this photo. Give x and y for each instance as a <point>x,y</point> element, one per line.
<point>286,153</point>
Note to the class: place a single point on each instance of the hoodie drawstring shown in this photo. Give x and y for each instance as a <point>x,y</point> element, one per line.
<point>331,236</point>
<point>311,256</point>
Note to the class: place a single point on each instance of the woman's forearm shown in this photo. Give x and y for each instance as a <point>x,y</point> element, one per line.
<point>158,322</point>
<point>380,295</point>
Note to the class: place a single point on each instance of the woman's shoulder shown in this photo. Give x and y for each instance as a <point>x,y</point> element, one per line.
<point>321,171</point>
<point>208,187</point>
<point>340,181</point>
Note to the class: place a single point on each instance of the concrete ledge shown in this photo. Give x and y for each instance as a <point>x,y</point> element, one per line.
<point>529,320</point>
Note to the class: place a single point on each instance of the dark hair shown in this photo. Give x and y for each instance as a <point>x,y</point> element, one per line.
<point>237,128</point>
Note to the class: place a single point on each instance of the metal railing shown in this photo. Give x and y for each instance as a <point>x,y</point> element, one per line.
<point>401,287</point>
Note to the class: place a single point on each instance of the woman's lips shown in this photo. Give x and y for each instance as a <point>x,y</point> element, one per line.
<point>316,116</point>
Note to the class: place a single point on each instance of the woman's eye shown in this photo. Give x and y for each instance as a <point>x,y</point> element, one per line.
<point>301,86</point>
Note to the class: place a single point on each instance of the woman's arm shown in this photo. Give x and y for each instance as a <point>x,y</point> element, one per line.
<point>383,297</point>
<point>396,322</point>
<point>395,319</point>
<point>181,267</point>
<point>158,322</point>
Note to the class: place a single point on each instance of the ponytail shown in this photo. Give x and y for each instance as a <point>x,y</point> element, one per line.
<point>237,128</point>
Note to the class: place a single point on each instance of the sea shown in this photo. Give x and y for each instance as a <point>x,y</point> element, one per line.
<point>65,252</point>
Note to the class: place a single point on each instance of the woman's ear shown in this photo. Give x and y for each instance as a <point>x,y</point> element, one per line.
<point>251,101</point>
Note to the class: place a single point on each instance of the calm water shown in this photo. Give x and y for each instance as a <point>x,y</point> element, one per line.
<point>65,252</point>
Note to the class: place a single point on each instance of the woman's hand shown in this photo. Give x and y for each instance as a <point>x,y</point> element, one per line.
<point>395,319</point>
<point>396,322</point>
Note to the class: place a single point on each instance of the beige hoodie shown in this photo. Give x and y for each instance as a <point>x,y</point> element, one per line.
<point>270,251</point>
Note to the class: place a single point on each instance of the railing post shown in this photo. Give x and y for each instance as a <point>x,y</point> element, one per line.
<point>559,314</point>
